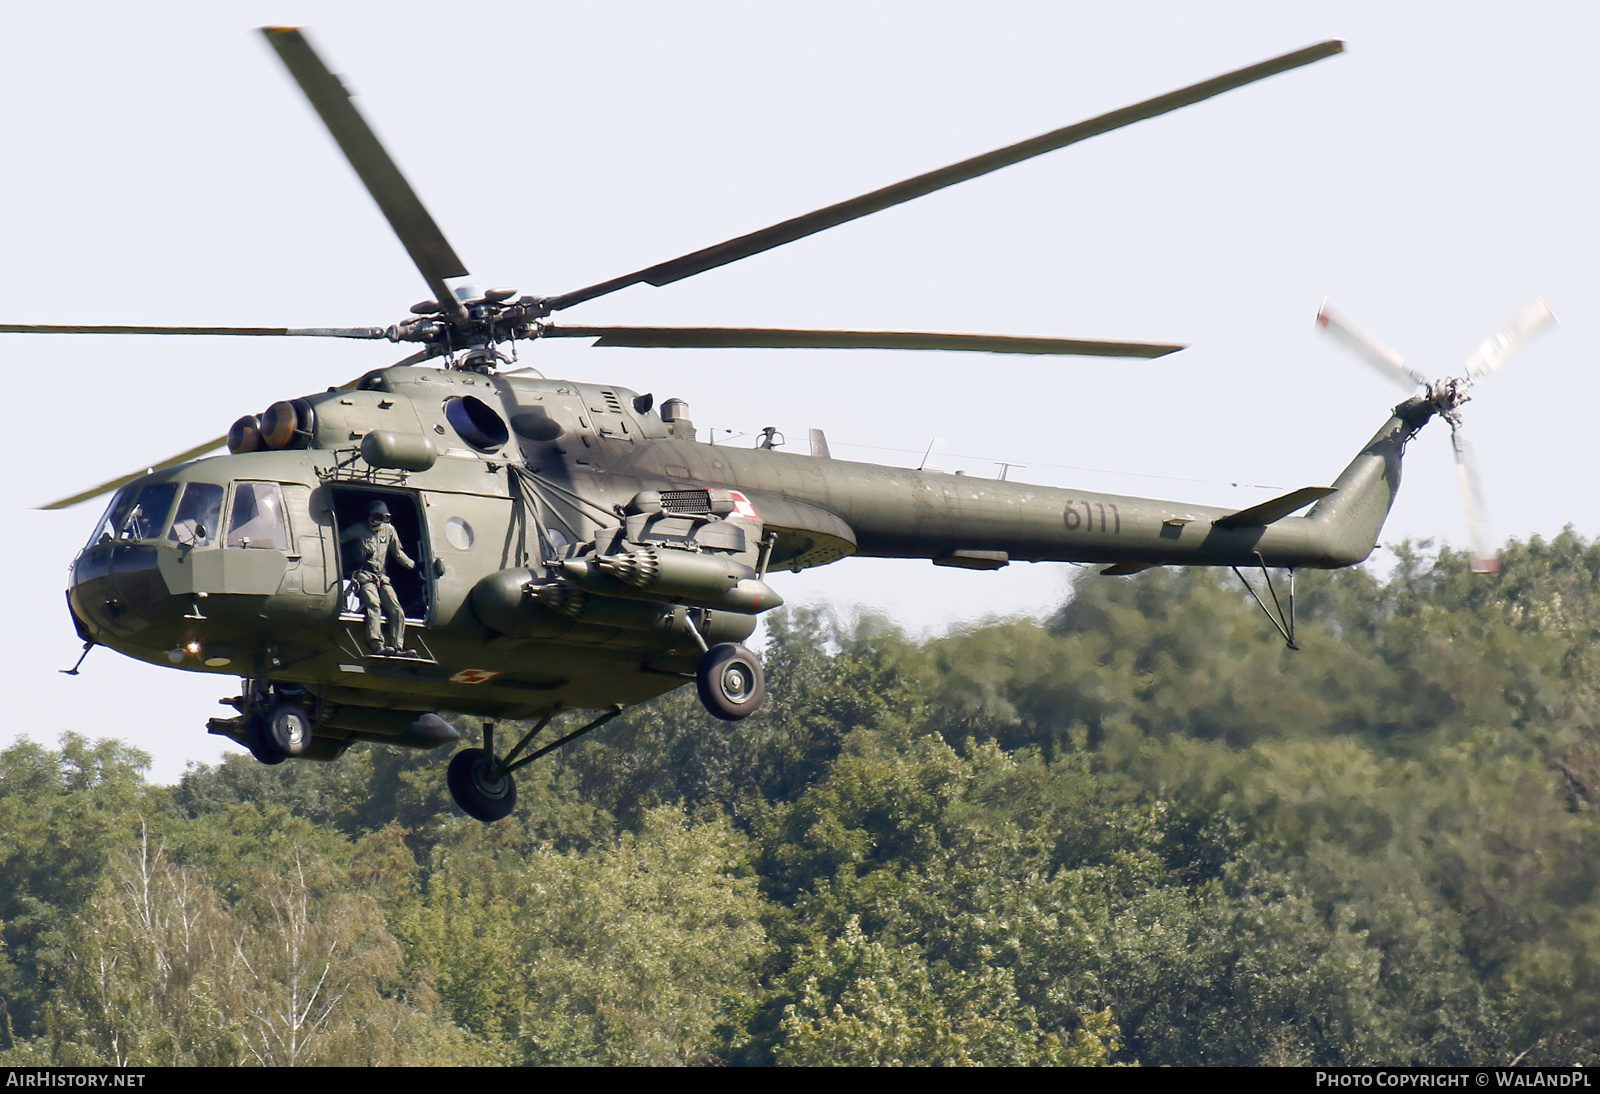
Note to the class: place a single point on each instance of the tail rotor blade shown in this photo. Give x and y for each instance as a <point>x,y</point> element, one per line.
<point>1369,349</point>
<point>1497,349</point>
<point>1483,560</point>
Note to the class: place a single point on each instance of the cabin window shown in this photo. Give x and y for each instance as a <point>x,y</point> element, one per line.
<point>199,515</point>
<point>257,517</point>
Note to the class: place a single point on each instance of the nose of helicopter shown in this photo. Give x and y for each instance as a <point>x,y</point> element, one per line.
<point>117,590</point>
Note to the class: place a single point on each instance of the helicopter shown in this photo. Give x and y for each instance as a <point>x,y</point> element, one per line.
<point>576,547</point>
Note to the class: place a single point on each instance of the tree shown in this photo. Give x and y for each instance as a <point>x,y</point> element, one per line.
<point>64,813</point>
<point>642,950</point>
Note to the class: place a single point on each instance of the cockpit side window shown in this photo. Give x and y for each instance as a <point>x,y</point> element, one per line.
<point>199,515</point>
<point>257,517</point>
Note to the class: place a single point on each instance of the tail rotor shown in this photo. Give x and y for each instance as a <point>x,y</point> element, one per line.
<point>1497,349</point>
<point>1478,532</point>
<point>1388,363</point>
<point>1447,396</point>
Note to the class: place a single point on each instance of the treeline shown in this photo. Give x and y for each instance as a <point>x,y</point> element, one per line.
<point>1142,831</point>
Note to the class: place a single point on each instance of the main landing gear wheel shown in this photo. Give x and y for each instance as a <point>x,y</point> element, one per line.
<point>482,790</point>
<point>731,682</point>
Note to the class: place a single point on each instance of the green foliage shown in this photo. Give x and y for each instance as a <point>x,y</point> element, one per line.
<point>63,815</point>
<point>639,952</point>
<point>1141,833</point>
<point>824,680</point>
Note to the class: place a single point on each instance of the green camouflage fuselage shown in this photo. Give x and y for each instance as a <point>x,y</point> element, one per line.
<point>513,611</point>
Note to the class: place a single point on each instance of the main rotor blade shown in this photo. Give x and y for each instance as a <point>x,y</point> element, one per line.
<point>423,240</point>
<point>1483,560</point>
<point>182,457</point>
<point>769,338</point>
<point>1369,349</point>
<point>799,227</point>
<point>254,332</point>
<point>1497,349</point>
<point>106,487</point>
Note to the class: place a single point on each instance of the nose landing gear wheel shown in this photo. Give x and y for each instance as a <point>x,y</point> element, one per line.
<point>479,786</point>
<point>731,682</point>
<point>288,728</point>
<point>258,739</point>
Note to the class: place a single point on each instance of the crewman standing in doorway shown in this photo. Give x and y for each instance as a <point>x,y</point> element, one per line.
<point>377,542</point>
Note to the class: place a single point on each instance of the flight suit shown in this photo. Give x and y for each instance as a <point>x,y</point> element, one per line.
<point>374,548</point>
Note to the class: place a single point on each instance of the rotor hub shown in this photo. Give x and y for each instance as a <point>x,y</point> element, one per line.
<point>480,322</point>
<point>1447,397</point>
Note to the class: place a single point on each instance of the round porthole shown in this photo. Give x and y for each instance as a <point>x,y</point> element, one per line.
<point>458,533</point>
<point>476,422</point>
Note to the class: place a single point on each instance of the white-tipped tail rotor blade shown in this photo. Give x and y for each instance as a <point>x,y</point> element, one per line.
<point>1483,560</point>
<point>1369,349</point>
<point>1499,346</point>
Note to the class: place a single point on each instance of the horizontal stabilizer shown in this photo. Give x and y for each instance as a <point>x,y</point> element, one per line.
<point>1123,569</point>
<point>1276,509</point>
<point>974,560</point>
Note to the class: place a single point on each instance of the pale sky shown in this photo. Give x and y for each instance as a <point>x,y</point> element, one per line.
<point>1431,181</point>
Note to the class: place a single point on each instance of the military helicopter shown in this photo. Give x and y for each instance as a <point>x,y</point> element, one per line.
<point>575,547</point>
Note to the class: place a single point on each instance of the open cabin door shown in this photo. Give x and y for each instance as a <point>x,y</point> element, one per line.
<point>413,587</point>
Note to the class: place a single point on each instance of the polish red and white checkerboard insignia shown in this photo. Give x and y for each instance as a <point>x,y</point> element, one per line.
<point>473,676</point>
<point>742,506</point>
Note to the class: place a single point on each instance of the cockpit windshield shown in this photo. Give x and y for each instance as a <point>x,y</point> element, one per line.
<point>116,513</point>
<point>199,515</point>
<point>137,513</point>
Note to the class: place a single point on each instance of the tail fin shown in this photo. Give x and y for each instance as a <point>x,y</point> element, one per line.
<point>1345,525</point>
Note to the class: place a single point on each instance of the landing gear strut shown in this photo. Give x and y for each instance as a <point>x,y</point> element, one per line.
<point>1283,621</point>
<point>482,785</point>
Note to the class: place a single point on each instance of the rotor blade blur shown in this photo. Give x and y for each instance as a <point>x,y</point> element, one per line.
<point>1369,349</point>
<point>1483,560</point>
<point>423,240</point>
<point>106,487</point>
<point>182,457</point>
<point>810,223</point>
<point>251,332</point>
<point>769,338</point>
<point>1497,349</point>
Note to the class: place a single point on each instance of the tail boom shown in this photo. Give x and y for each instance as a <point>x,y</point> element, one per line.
<point>977,523</point>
